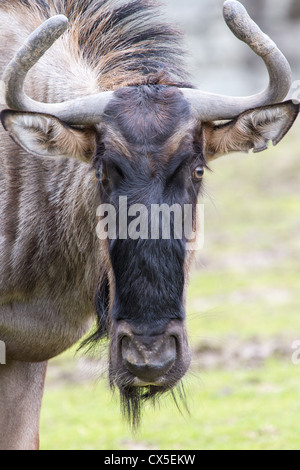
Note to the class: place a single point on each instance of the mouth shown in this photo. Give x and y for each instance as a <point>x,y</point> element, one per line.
<point>141,383</point>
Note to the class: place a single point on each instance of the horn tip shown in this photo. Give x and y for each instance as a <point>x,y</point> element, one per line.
<point>59,22</point>
<point>232,8</point>
<point>62,19</point>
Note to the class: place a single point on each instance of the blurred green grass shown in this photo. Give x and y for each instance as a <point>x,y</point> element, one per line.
<point>245,284</point>
<point>241,409</point>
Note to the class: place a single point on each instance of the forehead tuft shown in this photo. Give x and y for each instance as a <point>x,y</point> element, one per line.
<point>147,115</point>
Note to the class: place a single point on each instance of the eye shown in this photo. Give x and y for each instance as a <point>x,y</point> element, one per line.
<point>117,170</point>
<point>113,173</point>
<point>198,173</point>
<point>100,175</point>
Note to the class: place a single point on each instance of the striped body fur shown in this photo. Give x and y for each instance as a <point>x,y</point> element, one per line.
<point>50,258</point>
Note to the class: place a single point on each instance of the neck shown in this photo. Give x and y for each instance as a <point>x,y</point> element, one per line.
<point>76,198</point>
<point>49,216</point>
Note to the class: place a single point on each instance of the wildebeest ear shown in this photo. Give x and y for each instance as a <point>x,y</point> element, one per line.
<point>252,129</point>
<point>45,135</point>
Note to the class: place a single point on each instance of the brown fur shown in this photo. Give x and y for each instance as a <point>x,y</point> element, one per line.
<point>46,135</point>
<point>21,390</point>
<point>103,49</point>
<point>253,129</point>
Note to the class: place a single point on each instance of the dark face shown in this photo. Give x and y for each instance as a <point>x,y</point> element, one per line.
<point>148,156</point>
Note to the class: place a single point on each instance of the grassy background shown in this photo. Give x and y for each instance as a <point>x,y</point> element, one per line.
<point>243,316</point>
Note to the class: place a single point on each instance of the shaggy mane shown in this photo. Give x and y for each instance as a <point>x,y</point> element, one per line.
<point>124,43</point>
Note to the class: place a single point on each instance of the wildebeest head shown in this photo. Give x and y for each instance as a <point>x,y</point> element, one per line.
<point>153,128</point>
<point>150,145</point>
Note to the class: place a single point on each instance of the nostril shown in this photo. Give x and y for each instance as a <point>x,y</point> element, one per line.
<point>131,352</point>
<point>148,363</point>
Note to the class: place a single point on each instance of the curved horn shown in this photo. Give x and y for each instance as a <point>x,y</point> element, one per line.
<point>86,110</point>
<point>211,107</point>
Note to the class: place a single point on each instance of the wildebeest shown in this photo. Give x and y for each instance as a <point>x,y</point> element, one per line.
<point>107,111</point>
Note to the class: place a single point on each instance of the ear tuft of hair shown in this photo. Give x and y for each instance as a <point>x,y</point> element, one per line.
<point>45,135</point>
<point>253,129</point>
